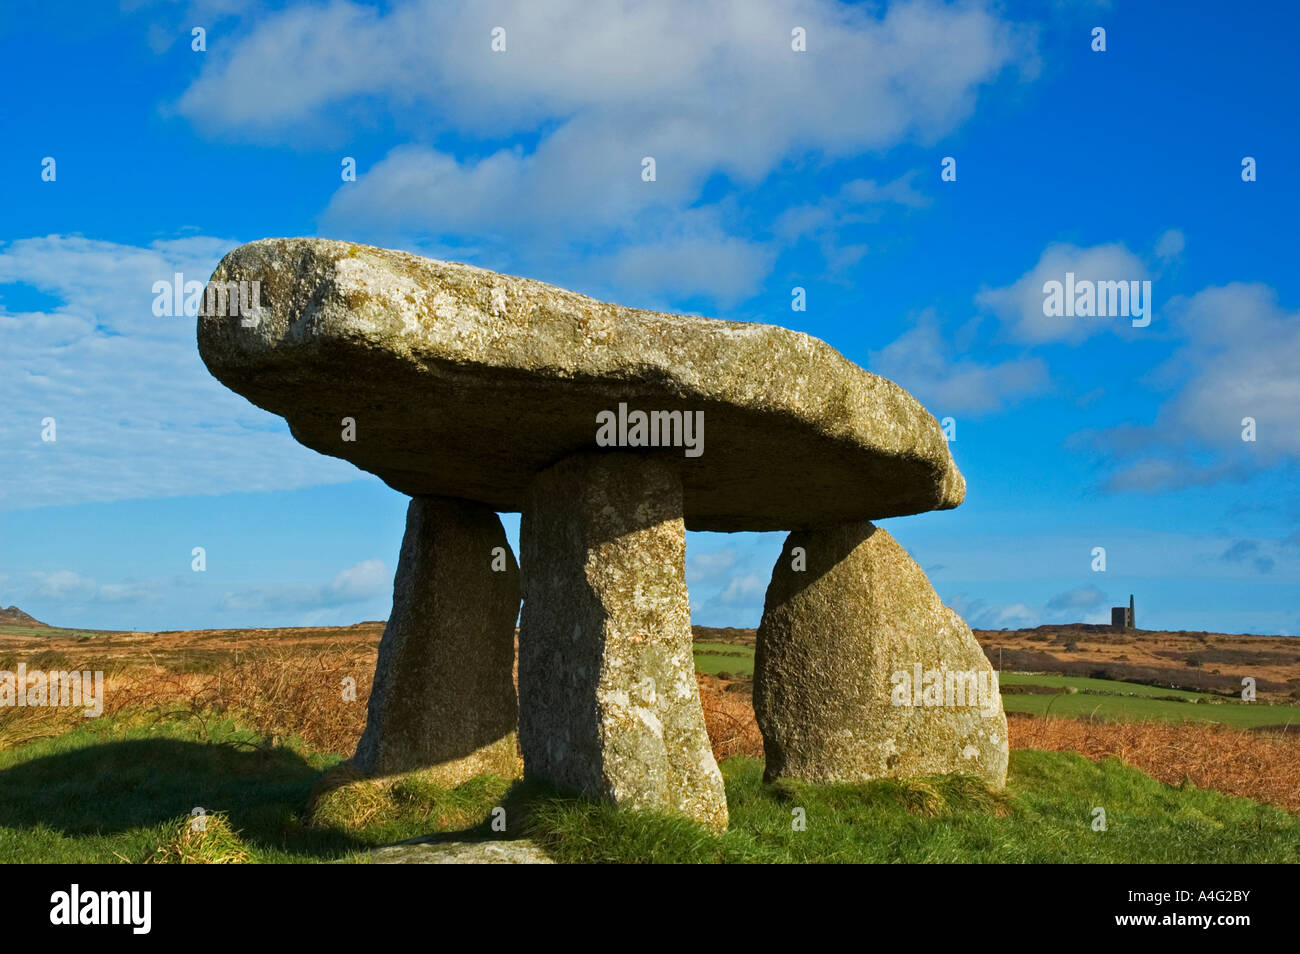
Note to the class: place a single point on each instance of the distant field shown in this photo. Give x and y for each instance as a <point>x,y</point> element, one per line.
<point>1196,661</point>
<point>1096,698</point>
<point>713,658</point>
<point>1104,686</point>
<point>1142,708</point>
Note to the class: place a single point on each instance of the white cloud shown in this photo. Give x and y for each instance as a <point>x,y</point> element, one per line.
<point>728,581</point>
<point>539,148</point>
<point>723,268</point>
<point>1237,360</point>
<point>1020,305</point>
<point>709,566</point>
<point>366,579</point>
<point>866,81</point>
<point>743,590</point>
<point>171,21</point>
<point>136,412</point>
<point>63,584</point>
<point>71,587</point>
<point>924,362</point>
<point>1170,245</point>
<point>356,584</point>
<point>858,202</point>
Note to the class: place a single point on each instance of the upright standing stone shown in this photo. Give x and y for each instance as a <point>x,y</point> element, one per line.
<point>443,699</point>
<point>609,705</point>
<point>862,673</point>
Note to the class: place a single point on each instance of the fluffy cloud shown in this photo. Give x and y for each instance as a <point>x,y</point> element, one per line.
<point>1170,245</point>
<point>136,413</point>
<point>71,587</point>
<point>360,582</point>
<point>866,81</point>
<point>1237,359</point>
<point>709,566</point>
<point>356,584</point>
<point>859,202</point>
<point>728,582</point>
<point>743,590</point>
<point>925,362</point>
<point>538,149</point>
<point>1020,305</point>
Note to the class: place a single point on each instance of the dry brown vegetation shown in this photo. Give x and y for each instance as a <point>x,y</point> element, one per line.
<point>729,719</point>
<point>1264,766</point>
<point>290,683</point>
<point>278,682</point>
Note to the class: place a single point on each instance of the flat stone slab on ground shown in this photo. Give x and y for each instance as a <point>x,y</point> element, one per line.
<point>466,383</point>
<point>517,852</point>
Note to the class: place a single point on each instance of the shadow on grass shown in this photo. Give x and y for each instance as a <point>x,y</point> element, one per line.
<point>121,786</point>
<point>518,809</point>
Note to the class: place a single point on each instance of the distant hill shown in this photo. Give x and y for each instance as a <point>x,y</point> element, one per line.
<point>13,616</point>
<point>1181,659</point>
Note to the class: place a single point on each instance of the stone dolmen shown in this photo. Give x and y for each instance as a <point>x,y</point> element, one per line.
<point>613,431</point>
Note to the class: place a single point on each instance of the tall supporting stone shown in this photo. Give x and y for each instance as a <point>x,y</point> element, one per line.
<point>443,700</point>
<point>609,705</point>
<point>861,672</point>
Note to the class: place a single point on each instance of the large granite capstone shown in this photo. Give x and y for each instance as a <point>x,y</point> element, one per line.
<point>465,383</point>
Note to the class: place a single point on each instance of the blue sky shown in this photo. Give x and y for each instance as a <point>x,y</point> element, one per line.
<point>774,169</point>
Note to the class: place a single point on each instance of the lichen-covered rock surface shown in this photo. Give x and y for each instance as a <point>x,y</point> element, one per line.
<point>519,852</point>
<point>609,705</point>
<point>465,383</point>
<point>862,673</point>
<point>443,701</point>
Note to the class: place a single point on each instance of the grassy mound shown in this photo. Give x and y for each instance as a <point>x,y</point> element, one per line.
<point>208,840</point>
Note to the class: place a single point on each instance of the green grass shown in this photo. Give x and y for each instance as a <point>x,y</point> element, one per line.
<point>114,789</point>
<point>713,658</point>
<point>1140,708</point>
<point>120,790</point>
<point>1105,686</point>
<point>1044,817</point>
